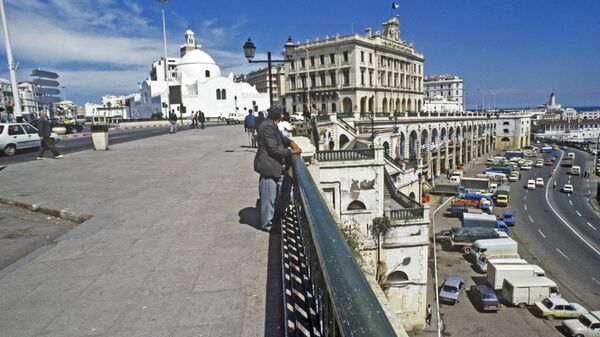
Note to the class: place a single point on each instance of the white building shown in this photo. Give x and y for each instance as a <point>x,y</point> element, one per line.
<point>29,103</point>
<point>449,87</point>
<point>360,73</point>
<point>441,104</point>
<point>195,83</point>
<point>513,130</point>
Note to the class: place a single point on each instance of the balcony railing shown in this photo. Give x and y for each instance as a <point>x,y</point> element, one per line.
<point>325,291</point>
<point>360,154</point>
<point>348,126</point>
<point>412,209</point>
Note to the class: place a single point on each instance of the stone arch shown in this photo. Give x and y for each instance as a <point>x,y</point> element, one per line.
<point>402,145</point>
<point>413,196</point>
<point>404,105</point>
<point>434,137</point>
<point>397,276</point>
<point>363,104</point>
<point>451,135</point>
<point>356,205</point>
<point>398,107</point>
<point>424,140</point>
<point>409,105</point>
<point>443,136</point>
<point>505,140</point>
<point>464,134</point>
<point>384,104</point>
<point>419,105</point>
<point>371,103</point>
<point>412,144</point>
<point>386,148</point>
<point>346,104</point>
<point>343,141</point>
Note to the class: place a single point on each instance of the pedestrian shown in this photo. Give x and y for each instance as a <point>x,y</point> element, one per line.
<point>273,149</point>
<point>173,121</point>
<point>555,185</point>
<point>285,127</point>
<point>428,316</point>
<point>306,115</point>
<point>44,131</point>
<point>195,120</point>
<point>250,127</point>
<point>201,119</point>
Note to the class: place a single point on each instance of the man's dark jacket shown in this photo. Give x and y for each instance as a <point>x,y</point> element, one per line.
<point>172,117</point>
<point>272,150</point>
<point>44,127</point>
<point>201,117</point>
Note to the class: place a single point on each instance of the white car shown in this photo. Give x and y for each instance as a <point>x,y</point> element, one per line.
<point>235,118</point>
<point>526,167</point>
<point>539,182</point>
<point>296,118</point>
<point>539,163</point>
<point>531,184</point>
<point>17,136</point>
<point>568,188</point>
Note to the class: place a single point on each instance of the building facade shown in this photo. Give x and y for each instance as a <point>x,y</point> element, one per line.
<point>372,72</point>
<point>29,103</point>
<point>513,130</point>
<point>260,80</point>
<point>444,87</point>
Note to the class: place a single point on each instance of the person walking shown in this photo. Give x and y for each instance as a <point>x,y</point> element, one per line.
<point>273,149</point>
<point>201,119</point>
<point>195,120</point>
<point>173,121</point>
<point>428,315</point>
<point>250,127</point>
<point>44,131</point>
<point>555,185</point>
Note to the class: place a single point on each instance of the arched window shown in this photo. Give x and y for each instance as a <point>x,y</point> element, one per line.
<point>356,206</point>
<point>223,94</point>
<point>506,123</point>
<point>218,94</point>
<point>207,73</point>
<point>505,139</point>
<point>397,276</point>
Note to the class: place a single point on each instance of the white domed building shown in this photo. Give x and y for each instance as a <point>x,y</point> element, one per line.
<point>196,83</point>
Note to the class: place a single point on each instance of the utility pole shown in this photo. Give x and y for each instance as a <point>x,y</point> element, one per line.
<point>11,66</point>
<point>163,3</point>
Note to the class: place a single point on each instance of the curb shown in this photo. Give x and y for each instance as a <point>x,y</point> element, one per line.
<point>142,126</point>
<point>77,135</point>
<point>66,213</point>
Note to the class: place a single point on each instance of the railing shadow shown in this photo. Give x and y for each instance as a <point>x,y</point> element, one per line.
<point>274,323</point>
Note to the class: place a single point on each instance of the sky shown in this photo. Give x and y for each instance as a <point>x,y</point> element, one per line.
<point>511,52</point>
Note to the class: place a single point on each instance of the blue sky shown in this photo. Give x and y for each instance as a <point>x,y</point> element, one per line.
<point>515,50</point>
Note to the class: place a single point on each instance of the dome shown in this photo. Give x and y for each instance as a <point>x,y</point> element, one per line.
<point>198,64</point>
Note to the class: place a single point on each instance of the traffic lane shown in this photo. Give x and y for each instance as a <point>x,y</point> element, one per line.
<point>545,241</point>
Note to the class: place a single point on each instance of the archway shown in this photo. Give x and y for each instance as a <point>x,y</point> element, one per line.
<point>424,141</point>
<point>371,104</point>
<point>404,105</point>
<point>412,145</point>
<point>398,107</point>
<point>413,196</point>
<point>386,148</point>
<point>343,141</point>
<point>434,138</point>
<point>356,206</point>
<point>419,105</point>
<point>410,108</point>
<point>384,105</point>
<point>347,105</point>
<point>402,145</point>
<point>363,104</point>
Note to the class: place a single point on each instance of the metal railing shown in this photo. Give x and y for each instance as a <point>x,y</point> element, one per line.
<point>347,125</point>
<point>406,213</point>
<point>359,154</point>
<point>341,300</point>
<point>412,209</point>
<point>345,115</point>
<point>323,118</point>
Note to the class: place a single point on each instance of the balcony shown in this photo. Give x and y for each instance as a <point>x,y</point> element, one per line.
<point>342,155</point>
<point>325,291</point>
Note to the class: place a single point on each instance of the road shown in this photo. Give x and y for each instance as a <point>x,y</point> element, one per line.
<point>561,232</point>
<point>117,136</point>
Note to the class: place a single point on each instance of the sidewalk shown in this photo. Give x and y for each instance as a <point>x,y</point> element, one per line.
<point>170,249</point>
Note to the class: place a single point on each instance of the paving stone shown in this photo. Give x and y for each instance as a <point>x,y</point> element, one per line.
<point>212,307</point>
<point>232,328</point>
<point>151,311</point>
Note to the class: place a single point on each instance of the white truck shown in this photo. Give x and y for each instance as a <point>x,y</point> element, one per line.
<point>502,257</point>
<point>497,272</point>
<point>492,246</point>
<point>524,291</point>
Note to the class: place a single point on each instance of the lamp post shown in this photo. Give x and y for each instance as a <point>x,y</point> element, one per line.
<point>250,51</point>
<point>17,112</point>
<point>163,3</point>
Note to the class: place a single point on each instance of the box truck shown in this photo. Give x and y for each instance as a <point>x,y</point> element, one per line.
<point>493,246</point>
<point>497,272</point>
<point>482,261</point>
<point>524,291</point>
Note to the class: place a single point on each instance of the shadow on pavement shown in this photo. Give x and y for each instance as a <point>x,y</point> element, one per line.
<point>250,215</point>
<point>274,324</point>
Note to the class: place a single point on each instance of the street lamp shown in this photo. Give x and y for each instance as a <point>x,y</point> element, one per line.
<point>166,67</point>
<point>250,51</point>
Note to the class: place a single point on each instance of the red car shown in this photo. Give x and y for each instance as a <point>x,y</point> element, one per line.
<point>548,162</point>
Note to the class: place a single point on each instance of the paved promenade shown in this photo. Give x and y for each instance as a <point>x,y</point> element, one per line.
<point>170,250</point>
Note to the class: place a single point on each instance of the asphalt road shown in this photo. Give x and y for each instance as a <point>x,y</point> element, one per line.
<point>561,232</point>
<point>117,136</point>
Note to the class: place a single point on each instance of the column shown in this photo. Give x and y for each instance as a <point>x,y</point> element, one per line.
<point>438,162</point>
<point>446,159</point>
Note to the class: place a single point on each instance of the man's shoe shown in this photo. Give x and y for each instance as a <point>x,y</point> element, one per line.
<point>39,158</point>
<point>60,156</point>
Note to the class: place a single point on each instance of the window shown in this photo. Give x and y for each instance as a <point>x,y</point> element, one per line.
<point>362,77</point>
<point>29,129</point>
<point>370,78</point>
<point>14,130</point>
<point>312,61</point>
<point>293,82</point>
<point>223,94</point>
<point>312,81</point>
<point>346,75</point>
<point>207,73</point>
<point>370,58</point>
<point>218,94</point>
<point>505,130</point>
<point>292,64</point>
<point>506,123</point>
<point>332,58</point>
<point>332,77</point>
<point>323,81</point>
<point>302,62</point>
<point>333,107</point>
<point>303,80</point>
<point>345,56</point>
<point>505,139</point>
<point>1,129</point>
<point>322,59</point>
<point>362,56</point>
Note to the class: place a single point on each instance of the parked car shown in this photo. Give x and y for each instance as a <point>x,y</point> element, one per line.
<point>296,118</point>
<point>451,289</point>
<point>531,184</point>
<point>235,118</point>
<point>484,298</point>
<point>557,307</point>
<point>442,236</point>
<point>17,136</point>
<point>539,181</point>
<point>526,167</point>
<point>587,325</point>
<point>567,188</point>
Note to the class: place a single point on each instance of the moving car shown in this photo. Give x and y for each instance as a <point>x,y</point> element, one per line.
<point>484,298</point>
<point>557,307</point>
<point>539,163</point>
<point>526,167</point>
<point>451,289</point>
<point>17,136</point>
<point>587,325</point>
<point>531,184</point>
<point>235,118</point>
<point>549,162</point>
<point>539,182</point>
<point>567,188</point>
<point>575,170</point>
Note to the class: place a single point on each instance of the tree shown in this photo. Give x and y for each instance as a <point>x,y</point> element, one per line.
<point>380,227</point>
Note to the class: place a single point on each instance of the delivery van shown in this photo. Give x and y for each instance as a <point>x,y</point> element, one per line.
<point>483,260</point>
<point>498,271</point>
<point>524,291</point>
<point>489,246</point>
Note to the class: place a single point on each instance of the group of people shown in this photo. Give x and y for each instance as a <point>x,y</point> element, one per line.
<point>272,162</point>
<point>252,123</point>
<point>198,119</point>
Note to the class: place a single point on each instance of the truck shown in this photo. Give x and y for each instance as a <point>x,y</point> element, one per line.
<point>566,162</point>
<point>497,177</point>
<point>502,195</point>
<point>509,218</point>
<point>483,220</point>
<point>464,237</point>
<point>476,196</point>
<point>482,261</point>
<point>513,154</point>
<point>506,169</point>
<point>445,188</point>
<point>497,272</point>
<point>493,246</point>
<point>546,149</point>
<point>524,291</point>
<point>475,184</point>
<point>466,202</point>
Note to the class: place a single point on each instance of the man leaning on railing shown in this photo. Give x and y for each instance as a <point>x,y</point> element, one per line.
<point>274,185</point>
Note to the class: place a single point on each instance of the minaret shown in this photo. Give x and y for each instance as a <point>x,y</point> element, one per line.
<point>190,43</point>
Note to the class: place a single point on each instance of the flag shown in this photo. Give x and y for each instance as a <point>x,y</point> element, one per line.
<point>395,5</point>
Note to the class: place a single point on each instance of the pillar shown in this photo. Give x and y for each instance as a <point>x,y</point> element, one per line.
<point>438,162</point>
<point>447,158</point>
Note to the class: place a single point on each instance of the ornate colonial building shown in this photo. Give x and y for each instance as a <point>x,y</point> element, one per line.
<point>356,73</point>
